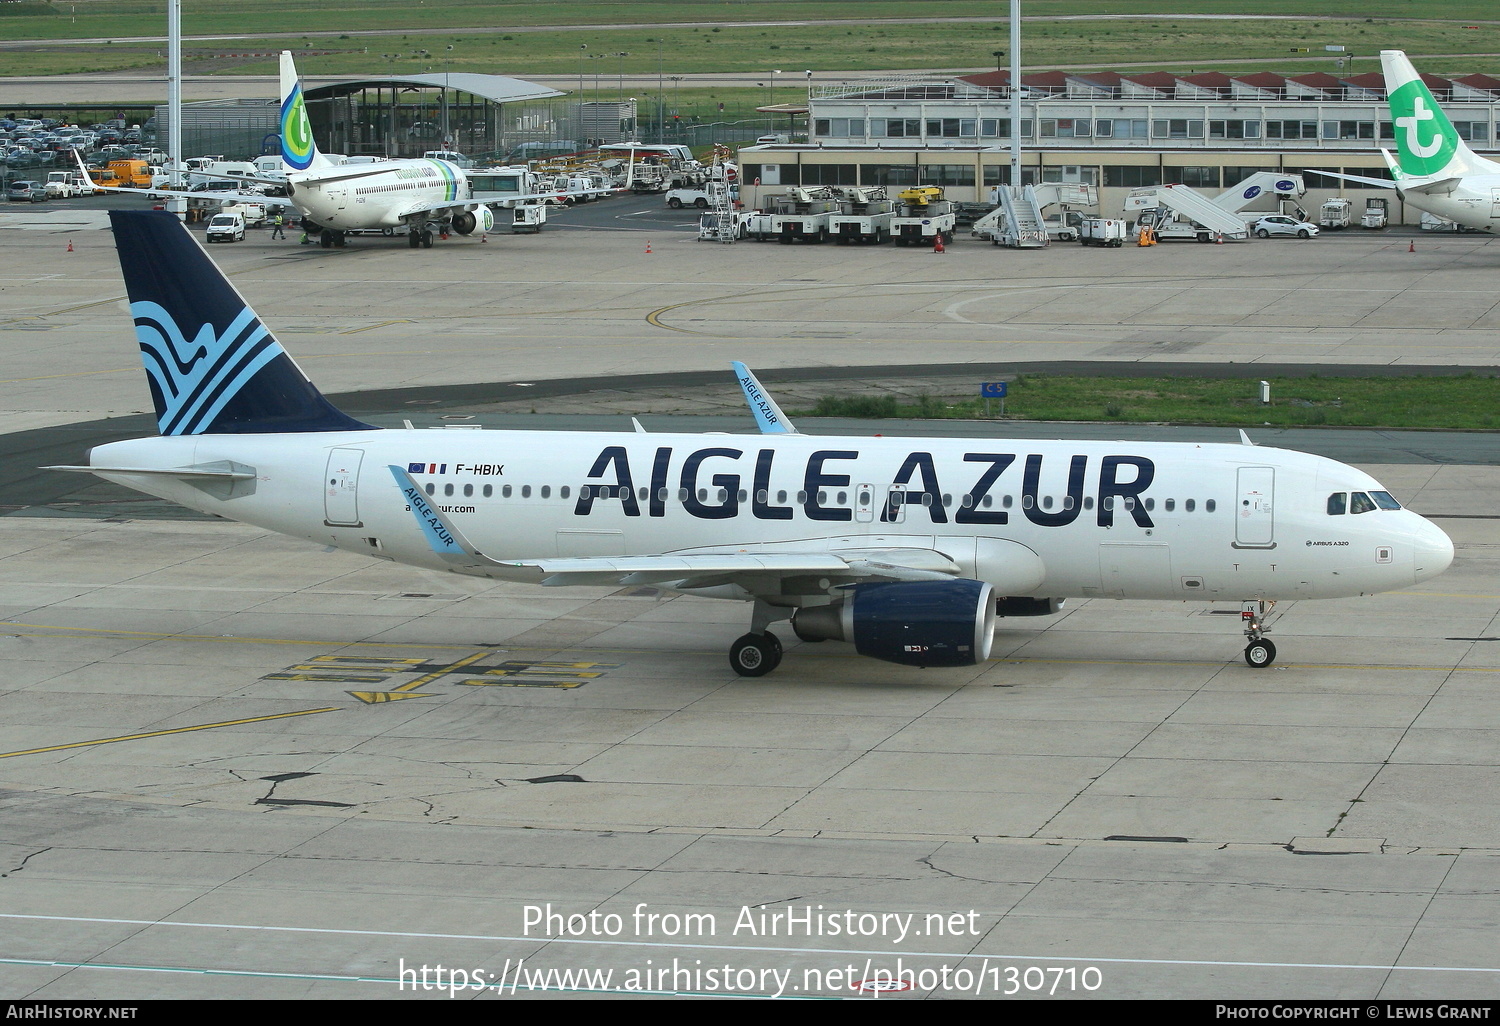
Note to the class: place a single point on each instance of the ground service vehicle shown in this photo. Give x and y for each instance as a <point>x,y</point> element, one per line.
<point>922,216</point>
<point>226,226</point>
<point>1102,231</point>
<point>1336,214</point>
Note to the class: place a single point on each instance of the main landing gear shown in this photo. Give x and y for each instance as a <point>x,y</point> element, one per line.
<point>419,237</point>
<point>759,652</point>
<point>1260,652</point>
<point>328,238</point>
<point>755,655</point>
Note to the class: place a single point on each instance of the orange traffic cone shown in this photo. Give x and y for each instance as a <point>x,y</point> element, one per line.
<point>1220,240</point>
<point>937,244</point>
<point>70,245</point>
<point>648,247</point>
<point>1411,247</point>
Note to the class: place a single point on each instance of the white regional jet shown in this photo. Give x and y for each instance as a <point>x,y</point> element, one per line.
<point>420,195</point>
<point>908,548</point>
<point>1436,170</point>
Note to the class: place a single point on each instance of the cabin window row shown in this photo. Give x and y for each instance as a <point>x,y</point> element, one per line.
<point>1066,502</point>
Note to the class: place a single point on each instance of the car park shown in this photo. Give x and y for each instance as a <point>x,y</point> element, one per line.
<point>1281,224</point>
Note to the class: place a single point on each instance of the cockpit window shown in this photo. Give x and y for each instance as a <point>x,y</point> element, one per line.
<point>1359,502</point>
<point>1385,500</point>
<point>1338,504</point>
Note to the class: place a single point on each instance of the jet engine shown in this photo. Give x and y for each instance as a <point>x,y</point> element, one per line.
<point>465,223</point>
<point>916,623</point>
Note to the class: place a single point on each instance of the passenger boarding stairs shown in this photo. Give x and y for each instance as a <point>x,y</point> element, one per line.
<point>719,199</point>
<point>1189,204</point>
<point>1021,224</point>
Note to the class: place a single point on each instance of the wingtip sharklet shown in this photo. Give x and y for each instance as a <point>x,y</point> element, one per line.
<point>768,415</point>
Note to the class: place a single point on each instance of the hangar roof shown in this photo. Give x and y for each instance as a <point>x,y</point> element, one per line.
<point>495,88</point>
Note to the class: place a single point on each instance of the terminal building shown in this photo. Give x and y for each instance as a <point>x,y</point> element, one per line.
<point>1113,131</point>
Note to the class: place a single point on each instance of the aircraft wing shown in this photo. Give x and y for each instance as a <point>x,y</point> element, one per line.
<point>757,571</point>
<point>472,203</point>
<point>238,197</point>
<point>1380,183</point>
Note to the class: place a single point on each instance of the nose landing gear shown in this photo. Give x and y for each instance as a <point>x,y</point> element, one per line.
<point>1260,652</point>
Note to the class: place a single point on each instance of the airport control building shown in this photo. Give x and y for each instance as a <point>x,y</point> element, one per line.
<point>1113,131</point>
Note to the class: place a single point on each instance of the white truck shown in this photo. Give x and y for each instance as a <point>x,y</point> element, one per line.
<point>802,214</point>
<point>1377,213</point>
<point>1102,231</point>
<point>252,213</point>
<point>708,223</point>
<point>226,226</point>
<point>922,215</point>
<point>679,198</point>
<point>1063,226</point>
<point>864,215</point>
<point>760,225</point>
<point>62,184</point>
<point>1336,214</point>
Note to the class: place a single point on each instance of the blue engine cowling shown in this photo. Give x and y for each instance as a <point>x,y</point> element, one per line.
<point>915,623</point>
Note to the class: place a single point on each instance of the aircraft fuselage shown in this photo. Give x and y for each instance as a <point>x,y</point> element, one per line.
<point>1042,519</point>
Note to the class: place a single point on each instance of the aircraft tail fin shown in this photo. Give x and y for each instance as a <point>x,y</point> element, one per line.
<point>212,365</point>
<point>1427,144</point>
<point>298,150</point>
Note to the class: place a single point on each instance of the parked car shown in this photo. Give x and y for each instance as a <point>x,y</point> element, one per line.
<point>1280,224</point>
<point>27,192</point>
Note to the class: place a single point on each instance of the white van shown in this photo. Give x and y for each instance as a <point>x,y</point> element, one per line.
<point>227,226</point>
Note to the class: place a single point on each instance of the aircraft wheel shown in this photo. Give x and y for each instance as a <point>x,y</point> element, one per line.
<point>340,240</point>
<point>426,239</point>
<point>1260,654</point>
<point>1262,234</point>
<point>325,239</point>
<point>755,655</point>
<point>413,240</point>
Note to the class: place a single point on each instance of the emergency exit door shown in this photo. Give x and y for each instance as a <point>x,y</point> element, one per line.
<point>1254,509</point>
<point>341,488</point>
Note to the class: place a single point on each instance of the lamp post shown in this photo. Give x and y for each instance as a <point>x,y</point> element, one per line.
<point>773,88</point>
<point>622,57</point>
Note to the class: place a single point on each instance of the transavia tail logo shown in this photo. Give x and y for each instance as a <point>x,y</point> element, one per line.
<point>1424,137</point>
<point>296,133</point>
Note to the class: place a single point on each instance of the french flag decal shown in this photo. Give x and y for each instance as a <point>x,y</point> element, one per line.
<point>427,468</point>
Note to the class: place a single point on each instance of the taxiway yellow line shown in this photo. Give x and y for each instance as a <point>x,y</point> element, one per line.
<point>161,733</point>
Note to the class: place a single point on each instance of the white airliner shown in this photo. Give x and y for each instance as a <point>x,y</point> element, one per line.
<point>908,548</point>
<point>421,195</point>
<point>1436,171</point>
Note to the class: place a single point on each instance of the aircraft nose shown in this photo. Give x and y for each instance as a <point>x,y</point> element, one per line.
<point>1432,549</point>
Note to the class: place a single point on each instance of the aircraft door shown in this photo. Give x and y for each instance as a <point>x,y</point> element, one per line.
<point>1495,203</point>
<point>341,488</point>
<point>1254,516</point>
